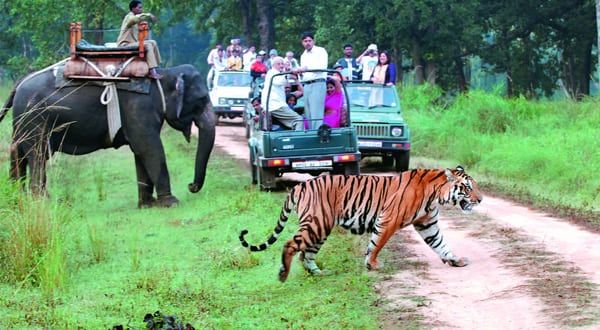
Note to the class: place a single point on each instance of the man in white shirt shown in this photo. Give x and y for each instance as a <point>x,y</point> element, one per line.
<point>274,98</point>
<point>214,61</point>
<point>368,60</point>
<point>249,57</point>
<point>313,57</point>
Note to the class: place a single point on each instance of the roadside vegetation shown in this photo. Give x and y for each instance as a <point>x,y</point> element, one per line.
<point>546,153</point>
<point>87,257</point>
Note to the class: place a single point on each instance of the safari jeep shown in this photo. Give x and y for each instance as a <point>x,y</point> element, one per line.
<point>275,150</point>
<point>377,117</point>
<point>230,91</point>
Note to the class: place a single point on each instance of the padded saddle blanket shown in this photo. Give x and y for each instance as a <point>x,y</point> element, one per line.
<point>85,46</point>
<point>106,59</point>
<point>136,85</point>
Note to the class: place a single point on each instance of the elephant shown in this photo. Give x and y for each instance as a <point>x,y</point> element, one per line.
<point>72,120</point>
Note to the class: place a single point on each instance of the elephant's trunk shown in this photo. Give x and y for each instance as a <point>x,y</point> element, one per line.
<point>206,140</point>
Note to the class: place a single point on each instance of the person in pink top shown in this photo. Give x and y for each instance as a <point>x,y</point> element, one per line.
<point>334,103</point>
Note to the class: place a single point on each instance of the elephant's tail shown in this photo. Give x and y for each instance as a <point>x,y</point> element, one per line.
<point>9,103</point>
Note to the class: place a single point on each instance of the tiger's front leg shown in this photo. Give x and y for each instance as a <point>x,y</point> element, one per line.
<point>431,234</point>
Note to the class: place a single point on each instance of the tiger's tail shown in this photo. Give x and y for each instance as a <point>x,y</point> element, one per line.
<point>288,206</point>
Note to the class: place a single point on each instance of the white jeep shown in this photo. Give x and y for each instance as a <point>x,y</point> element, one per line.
<point>230,91</point>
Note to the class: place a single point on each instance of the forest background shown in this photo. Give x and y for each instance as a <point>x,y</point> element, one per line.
<point>529,48</point>
<point>87,257</point>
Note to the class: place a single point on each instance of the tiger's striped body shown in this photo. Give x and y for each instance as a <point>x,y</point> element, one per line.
<point>379,205</point>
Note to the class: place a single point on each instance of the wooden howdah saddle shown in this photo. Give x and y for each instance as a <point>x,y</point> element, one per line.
<point>115,63</point>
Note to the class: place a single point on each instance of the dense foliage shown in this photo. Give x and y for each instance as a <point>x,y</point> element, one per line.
<point>539,45</point>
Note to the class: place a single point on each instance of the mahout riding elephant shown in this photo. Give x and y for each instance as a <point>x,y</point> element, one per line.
<point>72,120</point>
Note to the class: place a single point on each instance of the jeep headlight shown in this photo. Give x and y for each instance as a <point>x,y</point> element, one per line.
<point>222,101</point>
<point>396,131</point>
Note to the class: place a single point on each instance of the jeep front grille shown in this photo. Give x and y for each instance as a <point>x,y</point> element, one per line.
<point>372,130</point>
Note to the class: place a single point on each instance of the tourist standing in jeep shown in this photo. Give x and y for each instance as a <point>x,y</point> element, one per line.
<point>348,63</point>
<point>313,58</point>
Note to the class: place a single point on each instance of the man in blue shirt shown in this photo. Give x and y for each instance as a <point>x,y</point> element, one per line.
<point>348,64</point>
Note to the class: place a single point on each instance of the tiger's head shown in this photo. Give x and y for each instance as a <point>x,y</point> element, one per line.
<point>464,193</point>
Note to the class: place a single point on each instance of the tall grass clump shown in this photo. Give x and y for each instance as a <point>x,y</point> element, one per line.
<point>31,247</point>
<point>544,150</point>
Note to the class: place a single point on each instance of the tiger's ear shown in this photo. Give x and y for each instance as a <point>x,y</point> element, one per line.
<point>460,169</point>
<point>449,175</point>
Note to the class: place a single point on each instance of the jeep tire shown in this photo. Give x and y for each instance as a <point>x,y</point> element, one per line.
<point>266,178</point>
<point>402,159</point>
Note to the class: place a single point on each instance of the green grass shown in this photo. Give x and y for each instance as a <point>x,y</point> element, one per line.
<point>87,257</point>
<point>547,152</point>
<point>101,261</point>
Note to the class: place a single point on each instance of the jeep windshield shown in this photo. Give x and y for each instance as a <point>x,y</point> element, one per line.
<point>234,79</point>
<point>365,96</point>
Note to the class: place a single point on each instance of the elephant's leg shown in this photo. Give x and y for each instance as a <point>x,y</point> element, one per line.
<point>151,157</point>
<point>18,165</point>
<point>145,185</point>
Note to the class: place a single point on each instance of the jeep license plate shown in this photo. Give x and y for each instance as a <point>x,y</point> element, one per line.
<point>312,164</point>
<point>237,108</point>
<point>372,144</point>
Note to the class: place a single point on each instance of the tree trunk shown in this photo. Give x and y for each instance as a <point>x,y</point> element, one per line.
<point>245,9</point>
<point>509,84</point>
<point>431,72</point>
<point>460,74</point>
<point>418,63</point>
<point>586,71</point>
<point>598,36</point>
<point>266,25</point>
<point>399,69</point>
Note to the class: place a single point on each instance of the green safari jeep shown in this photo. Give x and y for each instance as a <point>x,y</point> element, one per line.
<point>275,150</point>
<point>377,117</point>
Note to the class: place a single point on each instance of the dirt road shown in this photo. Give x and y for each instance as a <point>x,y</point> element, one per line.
<point>527,270</point>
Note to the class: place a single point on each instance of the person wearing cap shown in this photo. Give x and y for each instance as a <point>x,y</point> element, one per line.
<point>274,97</point>
<point>234,44</point>
<point>348,64</point>
<point>234,62</point>
<point>338,67</point>
<point>367,61</point>
<point>313,58</point>
<point>272,54</point>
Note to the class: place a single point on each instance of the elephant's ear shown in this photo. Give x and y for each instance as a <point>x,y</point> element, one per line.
<point>180,89</point>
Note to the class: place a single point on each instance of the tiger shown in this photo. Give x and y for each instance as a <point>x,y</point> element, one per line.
<point>374,204</point>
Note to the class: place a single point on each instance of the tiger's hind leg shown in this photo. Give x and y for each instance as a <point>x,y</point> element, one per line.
<point>382,232</point>
<point>308,255</point>
<point>308,258</point>
<point>431,234</point>
<point>291,247</point>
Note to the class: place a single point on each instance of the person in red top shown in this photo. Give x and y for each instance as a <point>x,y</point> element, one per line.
<point>258,69</point>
